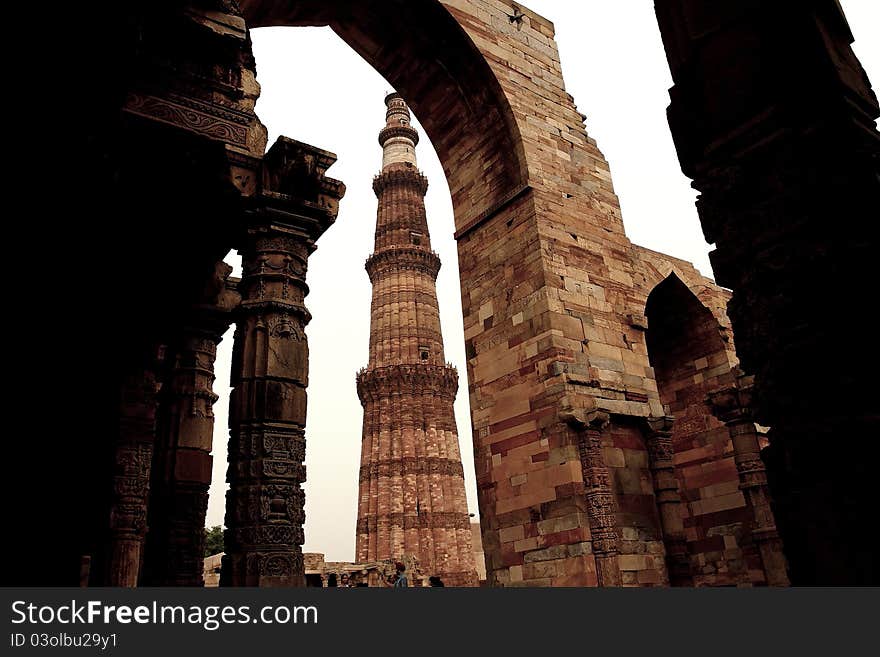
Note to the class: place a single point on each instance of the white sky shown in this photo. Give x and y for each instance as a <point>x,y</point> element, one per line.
<point>317,90</point>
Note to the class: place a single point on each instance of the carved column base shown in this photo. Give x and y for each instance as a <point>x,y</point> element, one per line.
<point>607,570</point>
<point>264,570</point>
<point>125,562</point>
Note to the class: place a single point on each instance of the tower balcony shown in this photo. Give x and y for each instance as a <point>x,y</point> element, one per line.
<point>404,131</point>
<point>402,258</point>
<point>409,378</point>
<point>404,176</point>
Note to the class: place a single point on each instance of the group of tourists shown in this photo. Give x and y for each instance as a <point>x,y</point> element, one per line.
<point>398,579</point>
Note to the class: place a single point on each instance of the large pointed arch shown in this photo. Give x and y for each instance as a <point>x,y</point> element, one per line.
<point>422,50</point>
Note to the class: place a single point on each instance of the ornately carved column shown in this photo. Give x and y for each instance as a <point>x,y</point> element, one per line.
<point>666,490</point>
<point>265,504</point>
<point>131,480</point>
<point>733,407</point>
<point>601,505</point>
<point>183,462</point>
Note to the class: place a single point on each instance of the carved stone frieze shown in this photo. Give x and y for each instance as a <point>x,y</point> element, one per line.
<point>413,466</point>
<point>205,119</point>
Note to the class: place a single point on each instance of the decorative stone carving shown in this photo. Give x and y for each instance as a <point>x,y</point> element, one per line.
<point>601,504</point>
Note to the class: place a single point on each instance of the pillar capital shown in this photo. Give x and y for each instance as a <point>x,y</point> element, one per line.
<point>733,404</point>
<point>658,439</point>
<point>590,417</point>
<point>296,171</point>
<point>295,198</point>
<point>659,426</point>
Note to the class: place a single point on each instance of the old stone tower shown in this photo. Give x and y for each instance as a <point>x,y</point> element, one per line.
<point>412,495</point>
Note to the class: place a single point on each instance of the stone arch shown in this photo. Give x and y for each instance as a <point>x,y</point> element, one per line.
<point>691,358</point>
<point>425,53</point>
<point>682,332</point>
<point>657,269</point>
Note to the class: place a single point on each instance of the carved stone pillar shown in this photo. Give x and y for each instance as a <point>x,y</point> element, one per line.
<point>131,480</point>
<point>265,504</point>
<point>601,504</point>
<point>658,434</point>
<point>183,463</point>
<point>733,407</point>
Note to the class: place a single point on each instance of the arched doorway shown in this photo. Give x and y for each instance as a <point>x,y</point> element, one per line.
<point>692,357</point>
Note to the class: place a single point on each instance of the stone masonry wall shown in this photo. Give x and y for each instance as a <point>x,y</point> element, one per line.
<point>551,288</point>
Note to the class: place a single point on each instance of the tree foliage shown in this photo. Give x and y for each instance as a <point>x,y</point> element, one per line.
<point>213,541</point>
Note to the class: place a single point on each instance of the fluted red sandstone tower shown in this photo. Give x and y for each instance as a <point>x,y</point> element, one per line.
<point>412,496</point>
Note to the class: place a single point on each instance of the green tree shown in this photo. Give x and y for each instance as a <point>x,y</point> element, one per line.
<point>213,541</point>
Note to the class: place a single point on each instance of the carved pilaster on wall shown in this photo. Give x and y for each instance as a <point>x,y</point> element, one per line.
<point>601,503</point>
<point>732,406</point>
<point>658,439</point>
<point>265,512</point>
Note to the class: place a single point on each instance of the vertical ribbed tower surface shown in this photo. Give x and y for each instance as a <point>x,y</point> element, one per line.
<point>412,495</point>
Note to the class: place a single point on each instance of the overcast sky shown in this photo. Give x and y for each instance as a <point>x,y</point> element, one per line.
<point>317,90</point>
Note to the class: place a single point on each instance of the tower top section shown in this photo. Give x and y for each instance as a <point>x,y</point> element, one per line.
<point>398,138</point>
